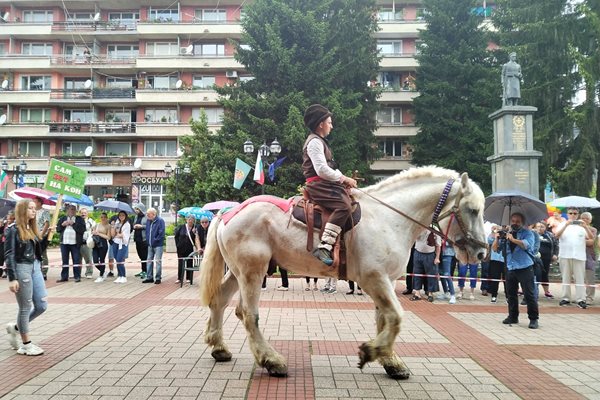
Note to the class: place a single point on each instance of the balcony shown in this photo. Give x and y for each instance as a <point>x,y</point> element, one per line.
<point>25,96</point>
<point>399,29</point>
<point>23,62</point>
<point>193,29</point>
<point>24,130</point>
<point>396,130</point>
<point>391,164</point>
<point>93,26</point>
<point>398,62</point>
<point>95,60</point>
<point>158,129</point>
<point>87,127</point>
<point>188,62</point>
<point>397,96</point>
<point>184,96</point>
<point>25,30</point>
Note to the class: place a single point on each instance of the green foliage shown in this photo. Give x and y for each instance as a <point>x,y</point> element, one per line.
<point>301,52</point>
<point>170,230</point>
<point>456,79</point>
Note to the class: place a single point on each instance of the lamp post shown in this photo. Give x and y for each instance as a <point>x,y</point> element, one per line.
<point>178,170</point>
<point>264,151</point>
<point>18,172</point>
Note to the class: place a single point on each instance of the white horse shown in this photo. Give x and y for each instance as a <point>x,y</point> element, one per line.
<point>377,253</point>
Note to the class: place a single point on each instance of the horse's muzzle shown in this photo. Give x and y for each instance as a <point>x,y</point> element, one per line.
<point>480,256</point>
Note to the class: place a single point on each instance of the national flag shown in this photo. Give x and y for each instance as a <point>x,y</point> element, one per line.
<point>259,173</point>
<point>3,179</point>
<point>241,173</point>
<point>274,166</point>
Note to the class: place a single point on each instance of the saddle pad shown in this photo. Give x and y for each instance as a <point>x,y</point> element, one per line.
<point>283,204</point>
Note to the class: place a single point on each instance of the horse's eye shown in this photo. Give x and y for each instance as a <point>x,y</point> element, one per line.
<point>474,212</point>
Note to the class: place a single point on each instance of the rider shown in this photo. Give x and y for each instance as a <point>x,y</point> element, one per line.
<point>325,184</point>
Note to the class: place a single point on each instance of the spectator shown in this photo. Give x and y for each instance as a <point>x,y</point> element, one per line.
<point>307,288</point>
<point>537,265</point>
<point>4,223</point>
<point>426,260</point>
<point>591,245</point>
<point>186,242</point>
<point>285,283</point>
<point>330,286</point>
<point>448,255</point>
<point>139,237</point>
<point>42,218</point>
<point>86,252</point>
<point>518,244</point>
<point>111,256</point>
<point>548,253</point>
<point>202,231</point>
<point>71,228</point>
<point>23,250</point>
<point>497,266</point>
<point>462,273</point>
<point>572,235</point>
<point>121,233</point>
<point>555,221</point>
<point>155,234</point>
<point>102,235</point>
<point>409,272</point>
<point>351,286</point>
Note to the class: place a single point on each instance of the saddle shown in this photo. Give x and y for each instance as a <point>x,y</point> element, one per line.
<point>313,216</point>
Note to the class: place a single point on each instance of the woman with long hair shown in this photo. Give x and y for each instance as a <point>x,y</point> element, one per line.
<point>101,235</point>
<point>23,252</point>
<point>121,233</point>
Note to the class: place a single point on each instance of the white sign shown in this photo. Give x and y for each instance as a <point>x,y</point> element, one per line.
<point>90,180</point>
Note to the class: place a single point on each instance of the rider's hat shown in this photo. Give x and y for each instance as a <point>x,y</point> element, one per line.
<point>314,115</point>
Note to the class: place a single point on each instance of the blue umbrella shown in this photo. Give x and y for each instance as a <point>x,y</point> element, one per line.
<point>197,212</point>
<point>82,201</point>
<point>114,205</point>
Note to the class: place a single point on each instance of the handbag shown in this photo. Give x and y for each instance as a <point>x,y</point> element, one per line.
<point>90,242</point>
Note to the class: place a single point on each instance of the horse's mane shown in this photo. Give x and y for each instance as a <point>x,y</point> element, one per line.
<point>430,171</point>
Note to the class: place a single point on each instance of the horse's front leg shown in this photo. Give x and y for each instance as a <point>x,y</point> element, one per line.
<point>214,328</point>
<point>388,316</point>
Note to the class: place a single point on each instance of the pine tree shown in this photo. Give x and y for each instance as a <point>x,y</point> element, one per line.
<point>456,81</point>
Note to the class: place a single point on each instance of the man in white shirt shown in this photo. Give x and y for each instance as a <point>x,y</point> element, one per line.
<point>572,235</point>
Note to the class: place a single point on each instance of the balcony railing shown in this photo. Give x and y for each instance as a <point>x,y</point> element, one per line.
<point>92,60</point>
<point>91,26</point>
<point>96,127</point>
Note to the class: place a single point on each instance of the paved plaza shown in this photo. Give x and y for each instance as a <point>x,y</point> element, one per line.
<point>145,341</point>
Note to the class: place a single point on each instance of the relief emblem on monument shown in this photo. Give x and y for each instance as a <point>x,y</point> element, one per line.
<point>519,134</point>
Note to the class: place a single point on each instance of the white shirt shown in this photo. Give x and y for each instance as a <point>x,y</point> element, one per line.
<point>421,244</point>
<point>572,242</point>
<point>316,153</point>
<point>126,231</point>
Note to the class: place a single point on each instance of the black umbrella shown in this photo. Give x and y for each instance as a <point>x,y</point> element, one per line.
<point>6,205</point>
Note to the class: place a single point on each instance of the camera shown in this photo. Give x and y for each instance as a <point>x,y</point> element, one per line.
<point>502,234</point>
<point>577,222</point>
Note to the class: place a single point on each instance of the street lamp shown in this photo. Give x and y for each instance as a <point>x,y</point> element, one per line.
<point>178,170</point>
<point>18,172</point>
<point>265,151</point>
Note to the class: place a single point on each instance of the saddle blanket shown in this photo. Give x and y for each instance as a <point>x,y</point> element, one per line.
<point>283,204</point>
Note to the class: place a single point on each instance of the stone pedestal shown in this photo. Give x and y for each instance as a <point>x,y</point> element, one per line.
<point>515,162</point>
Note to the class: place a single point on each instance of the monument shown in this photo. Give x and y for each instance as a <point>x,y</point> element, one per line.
<point>514,162</point>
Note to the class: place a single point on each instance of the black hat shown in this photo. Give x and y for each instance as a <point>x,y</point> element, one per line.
<point>314,115</point>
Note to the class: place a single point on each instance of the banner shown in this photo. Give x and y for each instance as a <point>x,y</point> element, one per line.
<point>241,172</point>
<point>65,178</point>
<point>274,166</point>
<point>259,173</point>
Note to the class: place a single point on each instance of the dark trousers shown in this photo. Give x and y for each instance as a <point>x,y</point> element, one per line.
<point>544,279</point>
<point>142,251</point>
<point>351,285</point>
<point>523,276</point>
<point>99,256</point>
<point>423,265</point>
<point>496,272</point>
<point>485,274</point>
<point>65,251</point>
<point>333,196</point>
<point>409,271</point>
<point>284,277</point>
<point>182,265</point>
<point>308,279</point>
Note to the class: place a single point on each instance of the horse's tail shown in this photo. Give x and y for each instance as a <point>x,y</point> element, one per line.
<point>212,266</point>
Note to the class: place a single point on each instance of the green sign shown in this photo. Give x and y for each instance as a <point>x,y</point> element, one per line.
<point>65,178</point>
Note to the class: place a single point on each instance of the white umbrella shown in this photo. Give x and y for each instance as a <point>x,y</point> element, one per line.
<point>576,201</point>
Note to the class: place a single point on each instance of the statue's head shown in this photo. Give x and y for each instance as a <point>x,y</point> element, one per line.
<point>512,56</point>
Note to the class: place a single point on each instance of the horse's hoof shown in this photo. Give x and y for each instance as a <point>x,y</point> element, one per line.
<point>221,355</point>
<point>365,355</point>
<point>397,373</point>
<point>276,370</point>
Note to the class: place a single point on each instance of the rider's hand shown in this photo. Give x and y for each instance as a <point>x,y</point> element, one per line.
<point>349,182</point>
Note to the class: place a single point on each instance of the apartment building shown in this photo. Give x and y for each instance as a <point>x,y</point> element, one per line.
<point>126,78</point>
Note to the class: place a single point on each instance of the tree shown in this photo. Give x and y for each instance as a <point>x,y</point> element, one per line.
<point>458,90</point>
<point>542,33</point>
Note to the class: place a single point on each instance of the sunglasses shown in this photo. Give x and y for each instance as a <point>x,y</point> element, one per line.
<point>573,213</point>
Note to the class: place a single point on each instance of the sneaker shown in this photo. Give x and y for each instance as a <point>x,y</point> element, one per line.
<point>118,280</point>
<point>533,324</point>
<point>282,288</point>
<point>459,295</point>
<point>509,321</point>
<point>110,274</point>
<point>142,275</point>
<point>30,349</point>
<point>264,289</point>
<point>452,300</point>
<point>549,295</point>
<point>325,289</point>
<point>13,336</point>
<point>582,304</point>
<point>523,302</point>
<point>123,279</point>
<point>139,274</point>
<point>471,297</point>
<point>564,303</point>
<point>89,276</point>
<point>494,300</point>
<point>99,279</point>
<point>148,280</point>
<point>324,255</point>
<point>430,298</point>
<point>332,291</point>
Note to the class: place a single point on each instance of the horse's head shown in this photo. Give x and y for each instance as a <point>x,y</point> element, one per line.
<point>467,222</point>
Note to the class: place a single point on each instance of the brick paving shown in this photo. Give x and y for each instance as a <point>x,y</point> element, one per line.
<point>141,341</point>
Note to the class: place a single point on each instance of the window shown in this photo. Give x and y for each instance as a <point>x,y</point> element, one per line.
<point>209,49</point>
<point>38,115</point>
<point>214,115</point>
<point>35,82</point>
<point>391,147</point>
<point>74,148</point>
<point>2,49</point>
<point>162,49</point>
<point>37,49</point>
<point>390,116</point>
<point>246,78</point>
<point>203,82</point>
<point>75,83</point>
<point>161,149</point>
<point>162,82</point>
<point>37,16</point>
<point>120,149</point>
<point>128,19</point>
<point>421,14</point>
<point>161,115</point>
<point>78,115</point>
<point>118,116</point>
<point>80,16</point>
<point>34,149</point>
<point>123,50</point>
<point>389,80</point>
<point>120,83</point>
<point>389,14</point>
<point>211,15</point>
<point>163,15</point>
<point>390,47</point>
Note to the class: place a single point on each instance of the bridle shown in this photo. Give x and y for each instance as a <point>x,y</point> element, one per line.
<point>453,213</point>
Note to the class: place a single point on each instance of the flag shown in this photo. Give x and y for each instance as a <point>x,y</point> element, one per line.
<point>3,181</point>
<point>274,166</point>
<point>241,172</point>
<point>259,173</point>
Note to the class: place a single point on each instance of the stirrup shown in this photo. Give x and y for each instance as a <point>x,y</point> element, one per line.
<point>324,255</point>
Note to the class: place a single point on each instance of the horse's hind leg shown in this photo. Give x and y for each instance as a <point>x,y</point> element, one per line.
<point>388,318</point>
<point>264,354</point>
<point>214,329</point>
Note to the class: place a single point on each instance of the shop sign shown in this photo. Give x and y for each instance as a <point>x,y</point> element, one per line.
<point>147,180</point>
<point>99,180</point>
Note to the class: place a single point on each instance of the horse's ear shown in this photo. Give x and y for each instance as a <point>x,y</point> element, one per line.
<point>464,183</point>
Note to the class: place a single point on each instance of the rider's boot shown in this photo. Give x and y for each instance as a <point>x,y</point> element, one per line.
<point>323,251</point>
